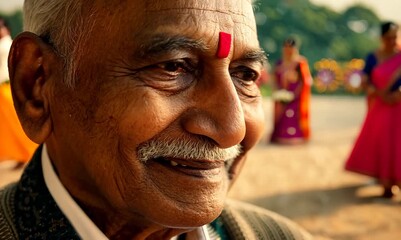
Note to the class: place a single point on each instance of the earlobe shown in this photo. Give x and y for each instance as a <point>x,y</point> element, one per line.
<point>30,64</point>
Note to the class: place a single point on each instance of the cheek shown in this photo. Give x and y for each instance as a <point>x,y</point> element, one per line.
<point>254,119</point>
<point>145,118</point>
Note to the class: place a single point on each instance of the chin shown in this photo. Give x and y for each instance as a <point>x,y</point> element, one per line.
<point>193,218</point>
<point>187,215</point>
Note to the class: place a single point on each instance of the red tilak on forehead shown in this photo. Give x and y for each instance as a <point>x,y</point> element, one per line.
<point>224,45</point>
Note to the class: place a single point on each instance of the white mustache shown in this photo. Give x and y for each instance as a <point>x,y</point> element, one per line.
<point>186,149</point>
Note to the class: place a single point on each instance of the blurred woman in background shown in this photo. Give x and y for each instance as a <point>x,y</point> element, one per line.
<point>291,96</point>
<point>377,151</point>
<point>15,147</point>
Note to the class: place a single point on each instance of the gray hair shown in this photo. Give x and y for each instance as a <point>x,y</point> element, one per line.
<point>185,149</point>
<point>61,23</point>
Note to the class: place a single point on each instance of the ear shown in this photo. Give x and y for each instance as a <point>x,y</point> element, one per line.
<point>32,63</point>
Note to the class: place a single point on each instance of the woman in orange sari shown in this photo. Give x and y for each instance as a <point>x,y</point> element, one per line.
<point>291,97</point>
<point>14,144</point>
<point>377,150</point>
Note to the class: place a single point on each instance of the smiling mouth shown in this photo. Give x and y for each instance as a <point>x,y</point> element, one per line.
<point>194,168</point>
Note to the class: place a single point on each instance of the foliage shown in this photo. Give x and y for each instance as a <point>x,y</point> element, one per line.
<point>15,22</point>
<point>322,32</point>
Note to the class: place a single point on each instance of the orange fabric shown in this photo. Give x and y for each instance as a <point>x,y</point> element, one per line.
<point>14,144</point>
<point>305,98</point>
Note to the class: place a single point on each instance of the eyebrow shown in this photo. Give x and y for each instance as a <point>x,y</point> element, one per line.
<point>161,44</point>
<point>257,55</point>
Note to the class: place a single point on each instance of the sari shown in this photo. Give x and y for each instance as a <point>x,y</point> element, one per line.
<point>377,151</point>
<point>14,144</point>
<point>291,118</point>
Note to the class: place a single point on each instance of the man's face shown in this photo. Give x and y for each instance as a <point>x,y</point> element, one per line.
<point>149,81</point>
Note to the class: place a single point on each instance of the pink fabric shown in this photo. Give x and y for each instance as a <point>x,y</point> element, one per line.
<point>377,150</point>
<point>381,75</point>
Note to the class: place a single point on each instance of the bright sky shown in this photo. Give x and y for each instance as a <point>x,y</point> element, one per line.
<point>10,5</point>
<point>386,9</point>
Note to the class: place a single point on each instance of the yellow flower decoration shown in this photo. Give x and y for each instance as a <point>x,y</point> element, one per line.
<point>353,76</point>
<point>328,76</point>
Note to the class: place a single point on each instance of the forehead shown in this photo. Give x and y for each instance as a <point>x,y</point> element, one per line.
<point>233,8</point>
<point>195,17</point>
<point>392,31</point>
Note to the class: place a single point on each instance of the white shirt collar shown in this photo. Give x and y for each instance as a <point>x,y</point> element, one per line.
<point>82,224</point>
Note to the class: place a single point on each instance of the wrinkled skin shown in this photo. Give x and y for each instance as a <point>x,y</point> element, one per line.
<point>129,92</point>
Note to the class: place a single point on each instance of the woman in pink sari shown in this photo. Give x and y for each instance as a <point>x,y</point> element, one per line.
<point>377,150</point>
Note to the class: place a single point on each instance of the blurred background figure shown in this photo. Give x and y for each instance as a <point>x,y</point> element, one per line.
<point>377,151</point>
<point>264,76</point>
<point>15,147</point>
<point>5,44</point>
<point>291,95</point>
<point>388,48</point>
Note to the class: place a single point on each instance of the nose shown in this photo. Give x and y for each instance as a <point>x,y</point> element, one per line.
<point>217,112</point>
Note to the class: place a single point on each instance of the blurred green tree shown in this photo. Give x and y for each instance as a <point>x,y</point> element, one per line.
<point>323,33</point>
<point>15,21</point>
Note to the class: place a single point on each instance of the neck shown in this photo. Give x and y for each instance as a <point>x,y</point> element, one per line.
<point>290,58</point>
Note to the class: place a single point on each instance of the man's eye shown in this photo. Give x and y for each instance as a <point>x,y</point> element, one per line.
<point>177,66</point>
<point>245,74</point>
<point>244,79</point>
<point>171,76</point>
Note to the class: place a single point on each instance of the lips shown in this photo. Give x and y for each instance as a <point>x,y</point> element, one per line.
<point>195,168</point>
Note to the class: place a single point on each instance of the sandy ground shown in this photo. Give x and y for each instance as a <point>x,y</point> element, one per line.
<point>307,183</point>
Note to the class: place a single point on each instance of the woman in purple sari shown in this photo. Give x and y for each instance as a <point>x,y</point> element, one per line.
<point>377,150</point>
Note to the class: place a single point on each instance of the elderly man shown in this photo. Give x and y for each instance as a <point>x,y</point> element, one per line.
<point>145,111</point>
